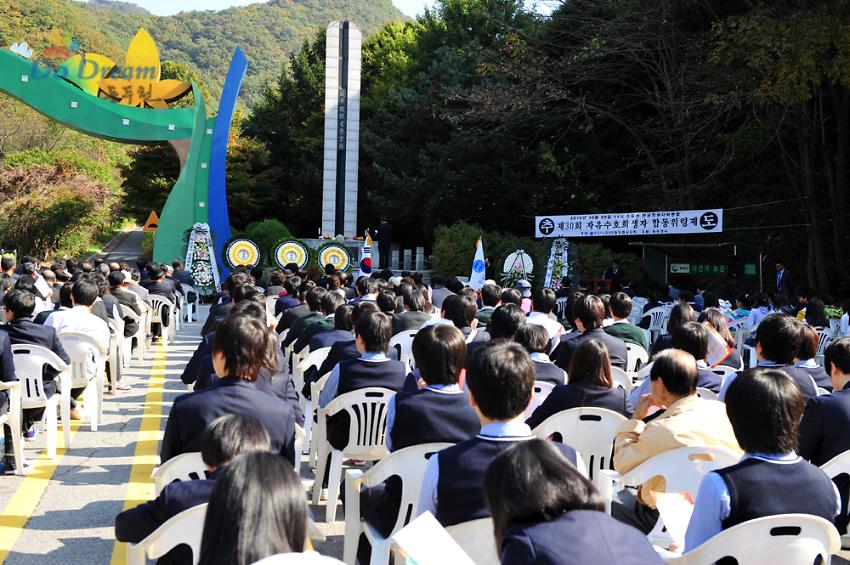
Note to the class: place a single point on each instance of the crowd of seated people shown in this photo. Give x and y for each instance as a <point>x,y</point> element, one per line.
<point>476,356</point>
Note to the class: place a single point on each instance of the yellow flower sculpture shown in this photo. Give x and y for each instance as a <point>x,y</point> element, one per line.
<point>137,83</point>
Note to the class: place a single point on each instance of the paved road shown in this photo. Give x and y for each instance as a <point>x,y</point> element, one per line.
<point>128,250</point>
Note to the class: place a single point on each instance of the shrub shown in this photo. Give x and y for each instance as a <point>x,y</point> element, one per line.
<point>267,234</point>
<point>454,248</point>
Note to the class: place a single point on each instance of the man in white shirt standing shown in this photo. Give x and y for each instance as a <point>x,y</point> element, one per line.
<point>79,319</point>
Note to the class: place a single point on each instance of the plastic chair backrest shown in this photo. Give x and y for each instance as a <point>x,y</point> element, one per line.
<point>560,310</point>
<point>706,394</point>
<point>786,538</point>
<point>656,316</point>
<point>408,464</point>
<point>824,339</point>
<point>184,528</point>
<point>367,408</point>
<point>621,379</point>
<point>821,391</point>
<point>128,312</point>
<point>270,302</point>
<point>476,539</point>
<point>637,357</point>
<point>590,431</point>
<point>157,303</point>
<point>184,467</point>
<point>315,359</point>
<point>403,343</point>
<point>542,389</point>
<point>83,350</point>
<point>29,363</point>
<point>682,468</point>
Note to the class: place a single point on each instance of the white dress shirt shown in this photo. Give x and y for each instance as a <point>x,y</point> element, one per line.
<point>79,319</point>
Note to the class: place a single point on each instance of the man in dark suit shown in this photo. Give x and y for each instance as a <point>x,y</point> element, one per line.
<point>589,312</point>
<point>784,283</point>
<point>414,317</point>
<point>241,350</point>
<point>239,289</point>
<point>314,303</point>
<point>20,328</point>
<point>330,302</point>
<point>136,287</point>
<point>342,330</point>
<point>615,274</point>
<point>367,290</point>
<point>385,241</point>
<point>181,275</point>
<point>225,439</point>
<point>439,292</point>
<point>158,285</point>
<point>295,312</point>
<point>119,290</point>
<point>823,429</point>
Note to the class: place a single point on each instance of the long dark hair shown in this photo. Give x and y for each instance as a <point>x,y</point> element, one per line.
<point>682,313</point>
<point>532,481</point>
<point>718,322</point>
<point>816,313</point>
<point>590,362</point>
<point>257,509</point>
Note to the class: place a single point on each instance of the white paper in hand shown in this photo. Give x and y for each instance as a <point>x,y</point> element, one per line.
<point>424,541</point>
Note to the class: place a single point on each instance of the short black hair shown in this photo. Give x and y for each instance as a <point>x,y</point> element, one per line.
<point>778,336</point>
<point>621,305</point>
<point>292,286</point>
<point>807,342</point>
<point>376,330</point>
<point>544,300</point>
<point>65,295</point>
<point>251,309</point>
<point>314,298</point>
<point>678,371</point>
<point>85,292</point>
<point>249,292</point>
<point>764,407</point>
<point>590,311</point>
<point>505,321</point>
<point>838,354</point>
<point>490,295</point>
<point>231,435</point>
<point>331,301</point>
<point>534,338</point>
<point>511,296</point>
<point>116,278</point>
<point>440,354</point>
<point>691,337</point>
<point>246,345</point>
<point>342,318</point>
<point>362,308</point>
<point>387,302</point>
<point>460,310</point>
<point>7,262</point>
<point>531,481</point>
<point>414,299</point>
<point>500,376</point>
<point>21,303</point>
<point>367,285</point>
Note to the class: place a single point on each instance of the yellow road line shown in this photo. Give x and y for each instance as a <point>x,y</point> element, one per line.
<point>24,502</point>
<point>140,486</point>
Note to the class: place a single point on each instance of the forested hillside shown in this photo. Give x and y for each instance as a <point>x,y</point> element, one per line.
<point>267,32</point>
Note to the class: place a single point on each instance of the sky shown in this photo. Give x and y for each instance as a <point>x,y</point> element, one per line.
<point>168,7</point>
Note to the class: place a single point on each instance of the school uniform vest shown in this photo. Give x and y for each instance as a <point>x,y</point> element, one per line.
<point>548,373</point>
<point>428,416</point>
<point>356,374</point>
<point>459,494</point>
<point>759,488</point>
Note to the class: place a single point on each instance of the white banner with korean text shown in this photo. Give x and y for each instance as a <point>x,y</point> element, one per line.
<point>630,224</point>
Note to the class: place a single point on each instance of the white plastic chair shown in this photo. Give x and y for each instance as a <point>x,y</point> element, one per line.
<point>637,309</point>
<point>311,359</point>
<point>637,357</point>
<point>824,339</point>
<point>657,322</point>
<point>783,539</point>
<point>185,528</point>
<point>821,391</point>
<point>838,465</point>
<point>403,343</point>
<point>12,418</point>
<point>116,340</point>
<point>270,302</point>
<point>84,352</point>
<point>191,309</point>
<point>29,363</point>
<point>299,447</point>
<point>408,464</point>
<point>367,410</point>
<point>314,436</point>
<point>542,389</point>
<point>476,538</point>
<point>184,467</point>
<point>157,304</point>
<point>560,309</point>
<point>139,336</point>
<point>682,470</point>
<point>590,431</point>
<point>621,379</point>
<point>706,394</point>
